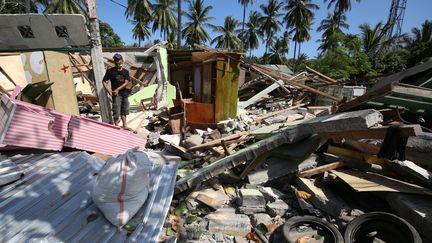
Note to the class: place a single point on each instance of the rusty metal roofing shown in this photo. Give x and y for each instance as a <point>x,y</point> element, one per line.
<point>52,202</point>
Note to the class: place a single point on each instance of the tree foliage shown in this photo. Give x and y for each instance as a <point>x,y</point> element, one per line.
<point>108,37</point>
<point>195,31</point>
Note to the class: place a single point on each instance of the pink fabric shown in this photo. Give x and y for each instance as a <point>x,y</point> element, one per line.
<point>38,127</point>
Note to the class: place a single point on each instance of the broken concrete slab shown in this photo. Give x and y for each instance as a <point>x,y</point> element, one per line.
<point>225,220</point>
<point>218,195</point>
<point>271,194</point>
<point>414,172</point>
<point>250,210</point>
<point>209,201</point>
<point>324,198</point>
<point>193,140</point>
<point>278,207</point>
<point>415,209</point>
<point>171,138</point>
<point>227,126</point>
<point>261,218</point>
<point>277,168</point>
<point>251,198</point>
<point>419,149</point>
<point>344,121</point>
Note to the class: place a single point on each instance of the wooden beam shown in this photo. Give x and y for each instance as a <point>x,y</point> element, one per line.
<point>298,85</point>
<point>321,169</point>
<point>274,113</point>
<point>326,78</point>
<point>419,92</point>
<point>216,141</point>
<point>373,133</point>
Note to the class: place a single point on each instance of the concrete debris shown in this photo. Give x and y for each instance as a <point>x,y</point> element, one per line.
<point>237,225</point>
<point>192,141</point>
<point>277,207</point>
<point>279,147</point>
<point>261,218</point>
<point>171,138</point>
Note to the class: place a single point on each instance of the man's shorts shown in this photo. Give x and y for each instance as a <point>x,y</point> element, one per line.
<point>120,106</point>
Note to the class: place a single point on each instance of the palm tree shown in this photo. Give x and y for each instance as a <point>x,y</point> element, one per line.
<point>16,6</point>
<point>66,7</point>
<point>244,3</point>
<point>270,23</point>
<point>139,10</point>
<point>341,6</point>
<point>277,51</point>
<point>252,34</point>
<point>198,16</point>
<point>140,30</point>
<point>423,35</point>
<point>172,40</point>
<point>373,38</point>
<point>299,18</point>
<point>329,26</point>
<point>228,38</point>
<point>163,17</point>
<point>285,41</point>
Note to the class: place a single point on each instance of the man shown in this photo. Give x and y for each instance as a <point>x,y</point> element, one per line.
<point>119,78</point>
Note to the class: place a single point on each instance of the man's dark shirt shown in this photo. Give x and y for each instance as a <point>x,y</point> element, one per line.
<point>117,78</point>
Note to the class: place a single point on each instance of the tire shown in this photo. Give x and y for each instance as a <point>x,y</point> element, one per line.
<point>336,236</point>
<point>388,227</point>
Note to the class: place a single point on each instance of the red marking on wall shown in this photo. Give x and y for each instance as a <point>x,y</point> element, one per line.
<point>64,68</point>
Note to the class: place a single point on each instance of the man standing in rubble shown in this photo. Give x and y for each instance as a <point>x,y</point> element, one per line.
<point>119,78</point>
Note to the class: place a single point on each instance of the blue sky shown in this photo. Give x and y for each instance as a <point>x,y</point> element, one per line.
<point>367,11</point>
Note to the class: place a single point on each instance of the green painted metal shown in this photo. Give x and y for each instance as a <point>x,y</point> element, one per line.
<point>407,103</point>
<point>149,91</point>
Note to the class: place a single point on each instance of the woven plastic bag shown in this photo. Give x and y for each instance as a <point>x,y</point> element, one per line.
<point>122,186</point>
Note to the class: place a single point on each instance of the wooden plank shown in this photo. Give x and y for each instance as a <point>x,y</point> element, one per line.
<point>326,78</point>
<point>321,169</point>
<point>373,133</point>
<point>63,90</point>
<point>216,141</point>
<point>371,182</point>
<point>372,159</point>
<point>274,113</point>
<point>298,85</point>
<point>409,90</point>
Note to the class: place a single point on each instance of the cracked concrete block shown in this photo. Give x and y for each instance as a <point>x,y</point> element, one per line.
<point>259,218</point>
<point>251,198</point>
<point>225,220</point>
<point>193,140</point>
<point>278,207</point>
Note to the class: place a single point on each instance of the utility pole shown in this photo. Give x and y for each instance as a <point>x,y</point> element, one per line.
<point>98,61</point>
<point>179,25</point>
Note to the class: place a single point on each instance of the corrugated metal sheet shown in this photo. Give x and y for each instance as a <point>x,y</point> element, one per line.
<point>33,126</point>
<point>52,203</point>
<point>90,135</point>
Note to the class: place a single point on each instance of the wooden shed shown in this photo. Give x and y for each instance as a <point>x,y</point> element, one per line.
<point>213,86</point>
